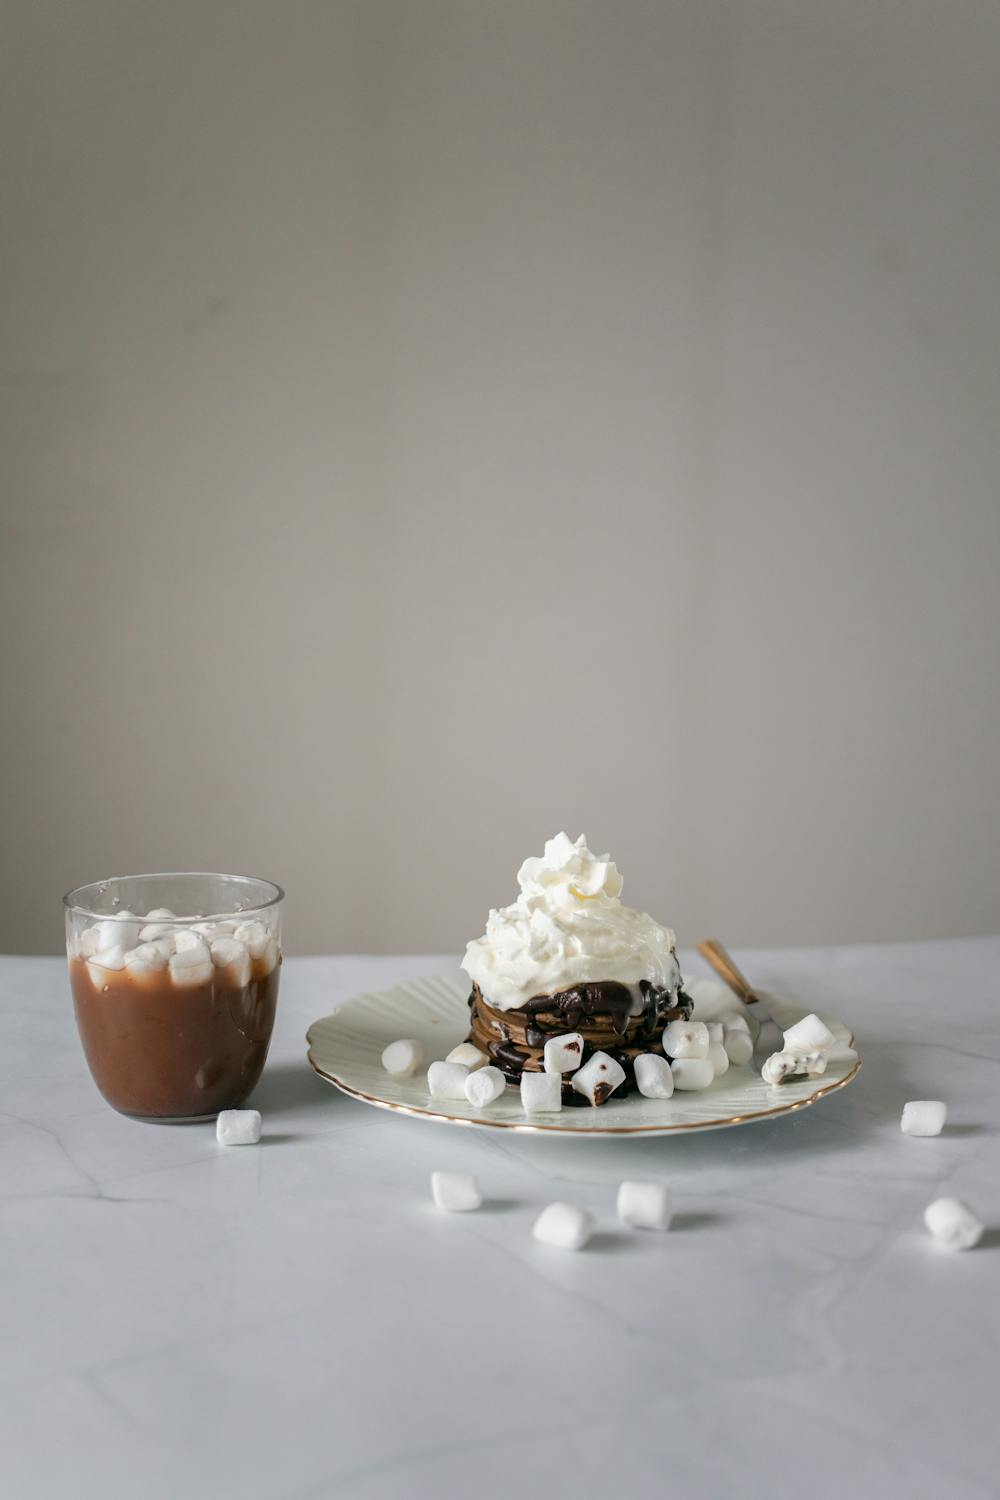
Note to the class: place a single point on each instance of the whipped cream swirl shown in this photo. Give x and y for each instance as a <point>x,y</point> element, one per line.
<point>568,927</point>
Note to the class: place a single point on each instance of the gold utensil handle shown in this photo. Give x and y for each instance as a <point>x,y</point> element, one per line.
<point>715,954</point>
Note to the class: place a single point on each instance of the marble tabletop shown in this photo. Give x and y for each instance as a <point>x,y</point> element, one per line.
<point>297,1320</point>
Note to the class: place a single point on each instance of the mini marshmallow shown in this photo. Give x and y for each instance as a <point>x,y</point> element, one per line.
<point>691,1073</point>
<point>119,931</point>
<point>716,1032</point>
<point>191,966</point>
<point>227,953</point>
<point>653,1077</point>
<point>808,1035</point>
<point>160,914</point>
<point>268,957</point>
<point>110,958</point>
<point>953,1223</point>
<point>148,958</point>
<point>738,1044</point>
<point>598,1078</point>
<point>164,945</point>
<point>107,958</point>
<point>89,942</point>
<point>255,936</point>
<point>563,1054</point>
<point>154,931</point>
<point>447,1080</point>
<point>188,940</point>
<point>719,1058</point>
<point>564,1226</point>
<point>686,1039</point>
<point>778,1066</point>
<point>782,1065</point>
<point>541,1093</point>
<point>923,1117</point>
<point>238,1127</point>
<point>484,1087</point>
<point>468,1055</point>
<point>456,1192</point>
<point>403,1058</point>
<point>736,1022</point>
<point>193,948</point>
<point>644,1205</point>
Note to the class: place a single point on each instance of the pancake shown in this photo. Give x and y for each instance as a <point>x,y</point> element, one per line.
<point>622,1020</point>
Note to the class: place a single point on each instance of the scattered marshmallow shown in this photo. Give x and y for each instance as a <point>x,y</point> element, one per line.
<point>147,958</point>
<point>191,966</point>
<point>653,1077</point>
<point>738,1044</point>
<point>782,1065</point>
<point>468,1055</point>
<point>953,1223</point>
<point>691,1073</point>
<point>160,914</point>
<point>778,1067</point>
<point>446,1080</point>
<point>716,1032</point>
<point>923,1117</point>
<point>403,1058</point>
<point>686,1039</point>
<point>644,1205</point>
<point>808,1035</point>
<point>456,1192</point>
<point>238,1127</point>
<point>598,1078</point>
<point>719,1058</point>
<point>564,1226</point>
<point>563,1054</point>
<point>484,1087</point>
<point>541,1093</point>
<point>736,1022</point>
<point>227,953</point>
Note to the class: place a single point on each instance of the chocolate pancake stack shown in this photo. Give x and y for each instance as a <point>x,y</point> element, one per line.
<point>619,1019</point>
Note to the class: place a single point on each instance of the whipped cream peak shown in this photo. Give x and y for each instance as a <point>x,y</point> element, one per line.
<point>568,926</point>
<point>568,872</point>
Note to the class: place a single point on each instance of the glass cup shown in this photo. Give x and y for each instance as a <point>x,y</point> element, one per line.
<point>175,985</point>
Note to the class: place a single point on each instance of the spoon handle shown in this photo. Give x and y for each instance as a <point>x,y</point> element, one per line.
<point>715,954</point>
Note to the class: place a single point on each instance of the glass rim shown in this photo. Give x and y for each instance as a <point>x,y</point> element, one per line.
<point>72,904</point>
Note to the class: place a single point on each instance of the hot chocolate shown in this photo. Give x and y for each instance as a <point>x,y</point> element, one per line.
<point>165,1050</point>
<point>175,1008</point>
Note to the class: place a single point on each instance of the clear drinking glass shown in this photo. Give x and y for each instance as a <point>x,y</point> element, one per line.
<point>175,985</point>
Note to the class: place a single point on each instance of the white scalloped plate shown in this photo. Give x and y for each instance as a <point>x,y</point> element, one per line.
<point>346,1049</point>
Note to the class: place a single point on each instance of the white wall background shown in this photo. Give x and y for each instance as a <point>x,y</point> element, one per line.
<point>429,425</point>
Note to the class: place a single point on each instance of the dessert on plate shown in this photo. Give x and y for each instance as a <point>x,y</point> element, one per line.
<point>568,964</point>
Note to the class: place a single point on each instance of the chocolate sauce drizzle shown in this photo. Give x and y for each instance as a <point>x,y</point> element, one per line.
<point>600,1012</point>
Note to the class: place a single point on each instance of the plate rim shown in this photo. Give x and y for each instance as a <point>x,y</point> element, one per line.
<point>593,1133</point>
